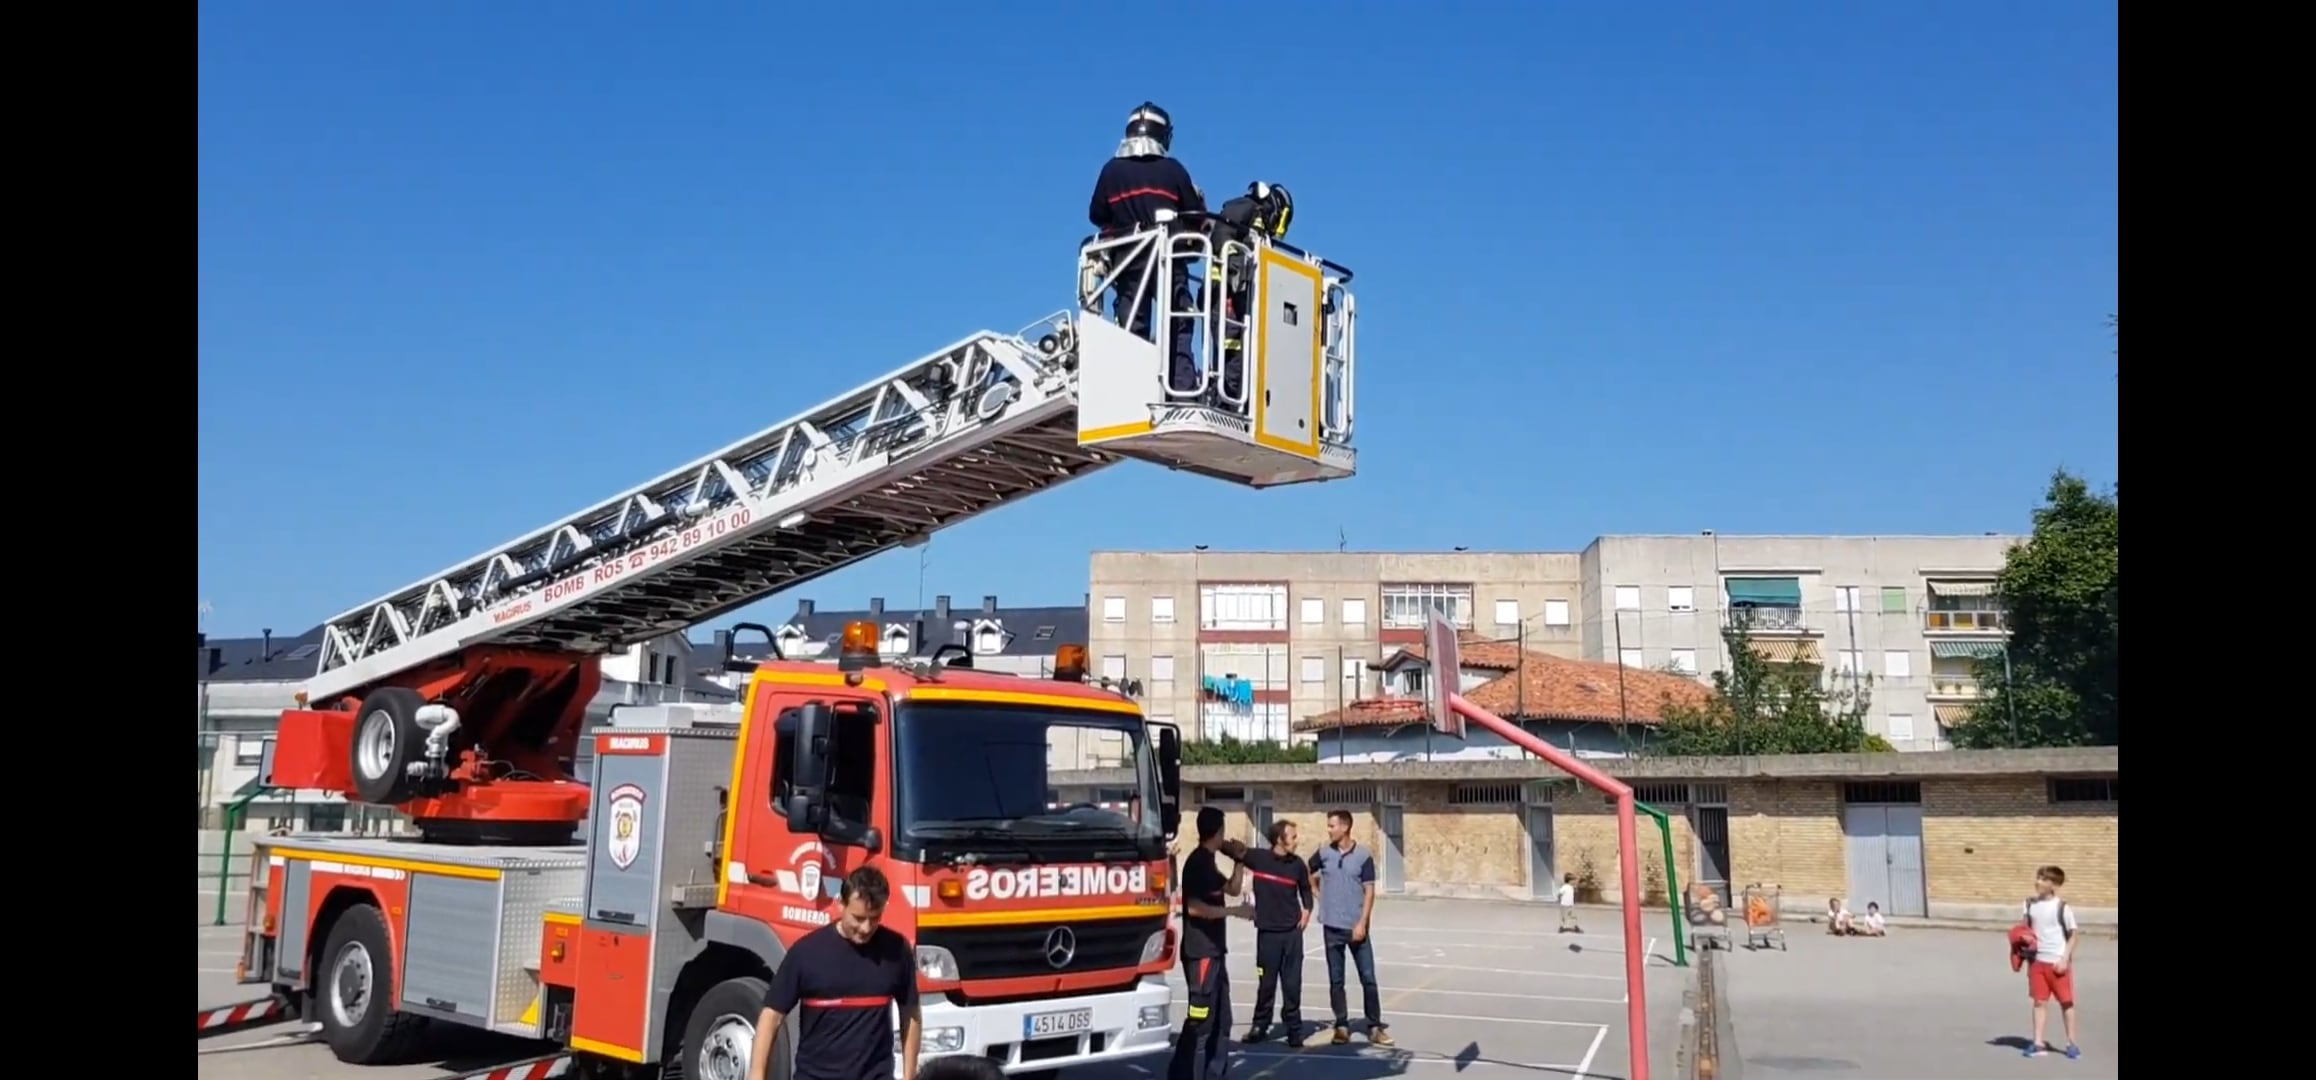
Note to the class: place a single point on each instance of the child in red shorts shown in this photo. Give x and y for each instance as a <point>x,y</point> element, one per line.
<point>2051,973</point>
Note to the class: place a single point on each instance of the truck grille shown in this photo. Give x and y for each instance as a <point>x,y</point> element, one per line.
<point>1005,952</point>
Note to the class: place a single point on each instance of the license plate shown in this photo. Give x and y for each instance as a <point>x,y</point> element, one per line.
<point>1047,1025</point>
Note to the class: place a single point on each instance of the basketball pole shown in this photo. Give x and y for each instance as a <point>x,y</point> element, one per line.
<point>1628,863</point>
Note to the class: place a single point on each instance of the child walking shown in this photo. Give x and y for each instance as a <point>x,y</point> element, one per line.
<point>2051,974</point>
<point>1566,897</point>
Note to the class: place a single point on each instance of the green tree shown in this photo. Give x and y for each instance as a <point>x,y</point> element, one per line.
<point>1759,707</point>
<point>2058,684</point>
<point>1230,751</point>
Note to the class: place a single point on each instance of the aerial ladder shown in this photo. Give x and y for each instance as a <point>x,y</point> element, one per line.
<point>460,698</point>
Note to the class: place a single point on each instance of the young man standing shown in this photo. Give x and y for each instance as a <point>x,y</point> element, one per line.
<point>842,983</point>
<point>1345,874</point>
<point>1200,1052</point>
<point>2051,975</point>
<point>1283,901</point>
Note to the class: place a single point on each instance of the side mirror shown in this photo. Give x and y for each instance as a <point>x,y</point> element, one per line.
<point>1169,778</point>
<point>808,767</point>
<point>737,666</point>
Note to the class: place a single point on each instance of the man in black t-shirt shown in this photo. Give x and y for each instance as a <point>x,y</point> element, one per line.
<point>843,983</point>
<point>1282,903</point>
<point>1201,1051</point>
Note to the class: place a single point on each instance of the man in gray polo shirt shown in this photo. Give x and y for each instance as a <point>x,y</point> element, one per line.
<point>1344,873</point>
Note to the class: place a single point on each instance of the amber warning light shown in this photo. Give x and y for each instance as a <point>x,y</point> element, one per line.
<point>1069,663</point>
<point>859,649</point>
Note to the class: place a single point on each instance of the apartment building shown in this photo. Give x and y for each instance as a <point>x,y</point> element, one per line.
<point>1247,643</point>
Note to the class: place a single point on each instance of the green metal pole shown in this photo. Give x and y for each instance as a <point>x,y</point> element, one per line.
<point>234,812</point>
<point>1672,883</point>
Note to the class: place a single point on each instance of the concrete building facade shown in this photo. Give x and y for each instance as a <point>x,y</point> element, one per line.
<point>1246,644</point>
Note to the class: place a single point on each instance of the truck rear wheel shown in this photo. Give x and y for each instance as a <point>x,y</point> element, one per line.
<point>386,740</point>
<point>722,1033</point>
<point>353,991</point>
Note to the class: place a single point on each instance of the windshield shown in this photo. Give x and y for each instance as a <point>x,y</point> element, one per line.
<point>972,778</point>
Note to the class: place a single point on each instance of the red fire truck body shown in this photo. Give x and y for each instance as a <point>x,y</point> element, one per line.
<point>1042,933</point>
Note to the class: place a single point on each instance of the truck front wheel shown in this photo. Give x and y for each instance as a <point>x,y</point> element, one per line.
<point>353,991</point>
<point>722,1033</point>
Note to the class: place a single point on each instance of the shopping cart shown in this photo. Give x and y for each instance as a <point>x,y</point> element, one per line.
<point>1705,907</point>
<point>1763,922</point>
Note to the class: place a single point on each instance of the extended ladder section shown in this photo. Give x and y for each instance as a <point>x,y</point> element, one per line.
<point>967,429</point>
<point>1225,354</point>
<point>971,427</point>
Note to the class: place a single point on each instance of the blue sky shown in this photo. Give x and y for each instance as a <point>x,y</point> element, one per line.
<point>1771,267</point>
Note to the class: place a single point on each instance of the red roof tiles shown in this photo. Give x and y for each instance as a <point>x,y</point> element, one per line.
<point>1540,687</point>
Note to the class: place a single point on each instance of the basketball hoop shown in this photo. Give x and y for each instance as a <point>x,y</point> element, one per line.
<point>1440,649</point>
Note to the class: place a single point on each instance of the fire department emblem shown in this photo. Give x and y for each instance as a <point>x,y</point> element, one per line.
<point>626,840</point>
<point>810,874</point>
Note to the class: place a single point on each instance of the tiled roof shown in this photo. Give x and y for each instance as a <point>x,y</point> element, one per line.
<point>1543,688</point>
<point>1473,652</point>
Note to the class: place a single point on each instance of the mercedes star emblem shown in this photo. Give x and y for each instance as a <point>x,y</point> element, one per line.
<point>1061,947</point>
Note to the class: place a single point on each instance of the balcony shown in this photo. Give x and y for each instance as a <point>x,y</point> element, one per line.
<point>1954,686</point>
<point>1768,619</point>
<point>1965,621</point>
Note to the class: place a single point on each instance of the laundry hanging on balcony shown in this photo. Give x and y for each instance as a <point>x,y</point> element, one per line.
<point>1228,688</point>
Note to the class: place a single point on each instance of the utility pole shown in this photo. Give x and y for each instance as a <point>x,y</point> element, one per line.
<point>2009,700</point>
<point>1623,714</point>
<point>1857,659</point>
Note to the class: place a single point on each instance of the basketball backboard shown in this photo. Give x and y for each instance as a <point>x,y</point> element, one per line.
<point>1440,651</point>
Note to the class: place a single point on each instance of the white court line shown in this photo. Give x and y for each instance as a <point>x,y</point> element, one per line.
<point>1499,971</point>
<point>1478,1019</point>
<point>1391,930</point>
<point>1426,990</point>
<point>1584,1068</point>
<point>1409,1058</point>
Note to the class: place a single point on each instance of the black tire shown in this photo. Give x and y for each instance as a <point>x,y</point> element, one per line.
<point>367,1031</point>
<point>740,1000</point>
<point>386,740</point>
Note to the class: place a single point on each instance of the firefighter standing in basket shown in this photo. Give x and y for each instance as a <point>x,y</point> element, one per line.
<point>1138,181</point>
<point>1265,210</point>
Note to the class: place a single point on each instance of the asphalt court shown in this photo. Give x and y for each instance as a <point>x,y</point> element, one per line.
<point>1469,988</point>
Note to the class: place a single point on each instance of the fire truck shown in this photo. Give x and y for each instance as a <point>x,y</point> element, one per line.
<point>629,920</point>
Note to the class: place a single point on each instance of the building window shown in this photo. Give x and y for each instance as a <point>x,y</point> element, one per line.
<point>1314,670</point>
<point>1628,598</point>
<point>1161,609</point>
<point>1897,664</point>
<point>1114,668</point>
<point>1261,667</point>
<point>326,817</point>
<point>1314,611</point>
<point>1893,599</point>
<point>1901,727</point>
<point>1846,598</point>
<point>2086,789</point>
<point>1242,607</point>
<point>1113,609</point>
<point>1850,661</point>
<point>1631,658</point>
<point>1964,607</point>
<point>1556,613</point>
<point>1507,613</point>
<point>1162,678</point>
<point>989,639</point>
<point>1407,607</point>
<point>248,750</point>
<point>1354,674</point>
<point>1355,612</point>
<point>1681,598</point>
<point>1684,661</point>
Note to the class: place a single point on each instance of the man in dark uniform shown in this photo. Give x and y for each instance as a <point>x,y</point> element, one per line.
<point>1135,184</point>
<point>1282,902</point>
<point>842,983</point>
<point>1201,1051</point>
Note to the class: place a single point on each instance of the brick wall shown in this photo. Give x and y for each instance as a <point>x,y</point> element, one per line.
<point>1982,839</point>
<point>1983,836</point>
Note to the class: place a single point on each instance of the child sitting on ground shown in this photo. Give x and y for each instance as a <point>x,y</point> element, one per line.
<point>1837,917</point>
<point>1872,925</point>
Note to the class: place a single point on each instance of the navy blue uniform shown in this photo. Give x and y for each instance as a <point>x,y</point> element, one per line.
<point>1282,893</point>
<point>1201,1051</point>
<point>1127,197</point>
<point>840,998</point>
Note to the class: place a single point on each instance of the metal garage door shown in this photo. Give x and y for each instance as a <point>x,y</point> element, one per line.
<point>1394,868</point>
<point>1543,876</point>
<point>1882,826</point>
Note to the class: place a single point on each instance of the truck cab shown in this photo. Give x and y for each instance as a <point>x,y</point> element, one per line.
<point>1042,931</point>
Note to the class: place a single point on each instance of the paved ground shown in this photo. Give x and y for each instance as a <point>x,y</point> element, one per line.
<point>1471,989</point>
<point>1917,1005</point>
